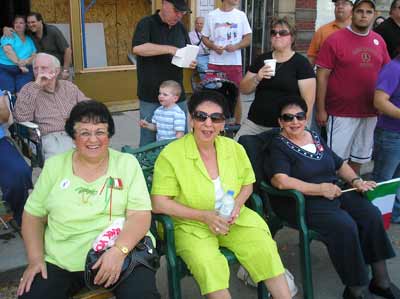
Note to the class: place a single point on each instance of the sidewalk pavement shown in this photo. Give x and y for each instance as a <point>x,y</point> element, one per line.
<point>327,284</point>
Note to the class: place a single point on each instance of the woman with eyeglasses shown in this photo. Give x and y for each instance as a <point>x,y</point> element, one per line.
<point>293,75</point>
<point>79,194</point>
<point>191,175</point>
<point>350,226</point>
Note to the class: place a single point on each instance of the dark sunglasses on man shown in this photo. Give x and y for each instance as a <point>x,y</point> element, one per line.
<point>288,117</point>
<point>215,117</point>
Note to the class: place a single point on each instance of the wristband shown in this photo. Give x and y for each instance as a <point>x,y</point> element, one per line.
<point>355,179</point>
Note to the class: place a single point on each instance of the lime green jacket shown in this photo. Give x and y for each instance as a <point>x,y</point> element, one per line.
<point>181,174</point>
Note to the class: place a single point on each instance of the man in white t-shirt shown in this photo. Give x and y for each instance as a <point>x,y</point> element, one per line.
<point>225,33</point>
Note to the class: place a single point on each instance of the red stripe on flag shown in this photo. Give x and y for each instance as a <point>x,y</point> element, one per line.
<point>386,220</point>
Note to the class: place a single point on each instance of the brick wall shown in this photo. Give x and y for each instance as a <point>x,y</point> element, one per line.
<point>305,15</point>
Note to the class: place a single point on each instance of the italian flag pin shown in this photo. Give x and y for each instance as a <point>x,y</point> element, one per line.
<point>116,183</point>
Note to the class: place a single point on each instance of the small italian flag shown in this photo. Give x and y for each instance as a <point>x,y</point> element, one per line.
<point>116,183</point>
<point>383,197</point>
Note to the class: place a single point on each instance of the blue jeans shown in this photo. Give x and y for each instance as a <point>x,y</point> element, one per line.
<point>15,178</point>
<point>202,64</point>
<point>12,79</point>
<point>146,112</point>
<point>387,162</point>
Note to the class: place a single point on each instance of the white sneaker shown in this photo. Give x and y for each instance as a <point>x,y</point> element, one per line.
<point>243,275</point>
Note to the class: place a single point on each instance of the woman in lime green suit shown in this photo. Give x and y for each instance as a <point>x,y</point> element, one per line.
<point>190,175</point>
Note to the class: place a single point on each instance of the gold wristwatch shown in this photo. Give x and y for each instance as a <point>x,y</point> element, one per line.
<point>124,249</point>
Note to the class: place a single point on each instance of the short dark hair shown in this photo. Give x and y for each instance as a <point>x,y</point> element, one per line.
<point>200,97</point>
<point>292,101</point>
<point>393,5</point>
<point>19,17</point>
<point>90,111</point>
<point>37,15</point>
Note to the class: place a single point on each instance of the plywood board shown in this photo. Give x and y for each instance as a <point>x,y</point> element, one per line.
<point>95,43</point>
<point>129,13</point>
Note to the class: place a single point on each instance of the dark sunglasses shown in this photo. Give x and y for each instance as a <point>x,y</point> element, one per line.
<point>282,32</point>
<point>287,117</point>
<point>215,117</point>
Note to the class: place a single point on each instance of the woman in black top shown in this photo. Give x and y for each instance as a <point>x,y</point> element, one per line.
<point>293,76</point>
<point>350,226</point>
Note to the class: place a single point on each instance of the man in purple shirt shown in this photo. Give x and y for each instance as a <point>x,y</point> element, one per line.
<point>387,131</point>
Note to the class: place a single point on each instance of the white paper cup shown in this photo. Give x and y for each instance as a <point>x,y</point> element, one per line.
<point>271,63</point>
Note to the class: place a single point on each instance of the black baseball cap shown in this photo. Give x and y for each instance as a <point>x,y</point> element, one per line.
<point>180,5</point>
<point>351,2</point>
<point>358,2</point>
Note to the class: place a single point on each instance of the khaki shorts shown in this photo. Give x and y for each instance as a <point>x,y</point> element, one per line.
<point>56,143</point>
<point>250,128</point>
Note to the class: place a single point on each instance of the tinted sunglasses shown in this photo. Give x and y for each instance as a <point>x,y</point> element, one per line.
<point>282,32</point>
<point>287,117</point>
<point>215,117</point>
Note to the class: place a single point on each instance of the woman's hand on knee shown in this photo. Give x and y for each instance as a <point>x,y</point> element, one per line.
<point>330,191</point>
<point>109,267</point>
<point>29,274</point>
<point>216,224</point>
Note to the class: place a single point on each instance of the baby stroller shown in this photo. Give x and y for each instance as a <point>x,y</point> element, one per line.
<point>215,80</point>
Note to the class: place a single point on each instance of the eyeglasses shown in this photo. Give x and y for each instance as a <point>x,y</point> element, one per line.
<point>215,117</point>
<point>288,117</point>
<point>97,134</point>
<point>282,32</point>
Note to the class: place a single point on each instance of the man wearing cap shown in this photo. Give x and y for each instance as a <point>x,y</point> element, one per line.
<point>155,42</point>
<point>390,29</point>
<point>348,65</point>
<point>343,10</point>
<point>226,32</point>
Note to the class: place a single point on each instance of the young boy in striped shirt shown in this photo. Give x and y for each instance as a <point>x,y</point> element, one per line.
<point>169,121</point>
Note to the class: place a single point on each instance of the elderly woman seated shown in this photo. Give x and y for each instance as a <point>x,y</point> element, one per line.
<point>71,205</point>
<point>190,176</point>
<point>350,226</point>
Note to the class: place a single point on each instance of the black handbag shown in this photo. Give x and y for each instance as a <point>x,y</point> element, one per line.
<point>143,254</point>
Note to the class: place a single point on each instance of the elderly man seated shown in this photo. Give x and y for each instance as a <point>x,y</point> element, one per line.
<point>15,174</point>
<point>48,101</point>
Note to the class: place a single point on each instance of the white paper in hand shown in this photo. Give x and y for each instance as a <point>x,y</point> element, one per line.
<point>184,56</point>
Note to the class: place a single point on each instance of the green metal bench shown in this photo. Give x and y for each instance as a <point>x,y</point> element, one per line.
<point>176,268</point>
<point>305,235</point>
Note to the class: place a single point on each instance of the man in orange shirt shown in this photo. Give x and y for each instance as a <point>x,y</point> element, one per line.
<point>343,10</point>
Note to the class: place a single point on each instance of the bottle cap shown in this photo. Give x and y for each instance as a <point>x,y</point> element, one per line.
<point>230,192</point>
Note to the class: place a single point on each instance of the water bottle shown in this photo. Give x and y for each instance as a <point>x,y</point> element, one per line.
<point>228,203</point>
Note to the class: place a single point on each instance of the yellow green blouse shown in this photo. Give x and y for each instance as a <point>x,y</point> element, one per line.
<point>78,211</point>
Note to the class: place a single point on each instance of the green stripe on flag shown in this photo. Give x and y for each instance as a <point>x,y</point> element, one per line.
<point>383,189</point>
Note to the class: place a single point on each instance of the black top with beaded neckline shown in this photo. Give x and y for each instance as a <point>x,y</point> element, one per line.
<point>318,155</point>
<point>290,159</point>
